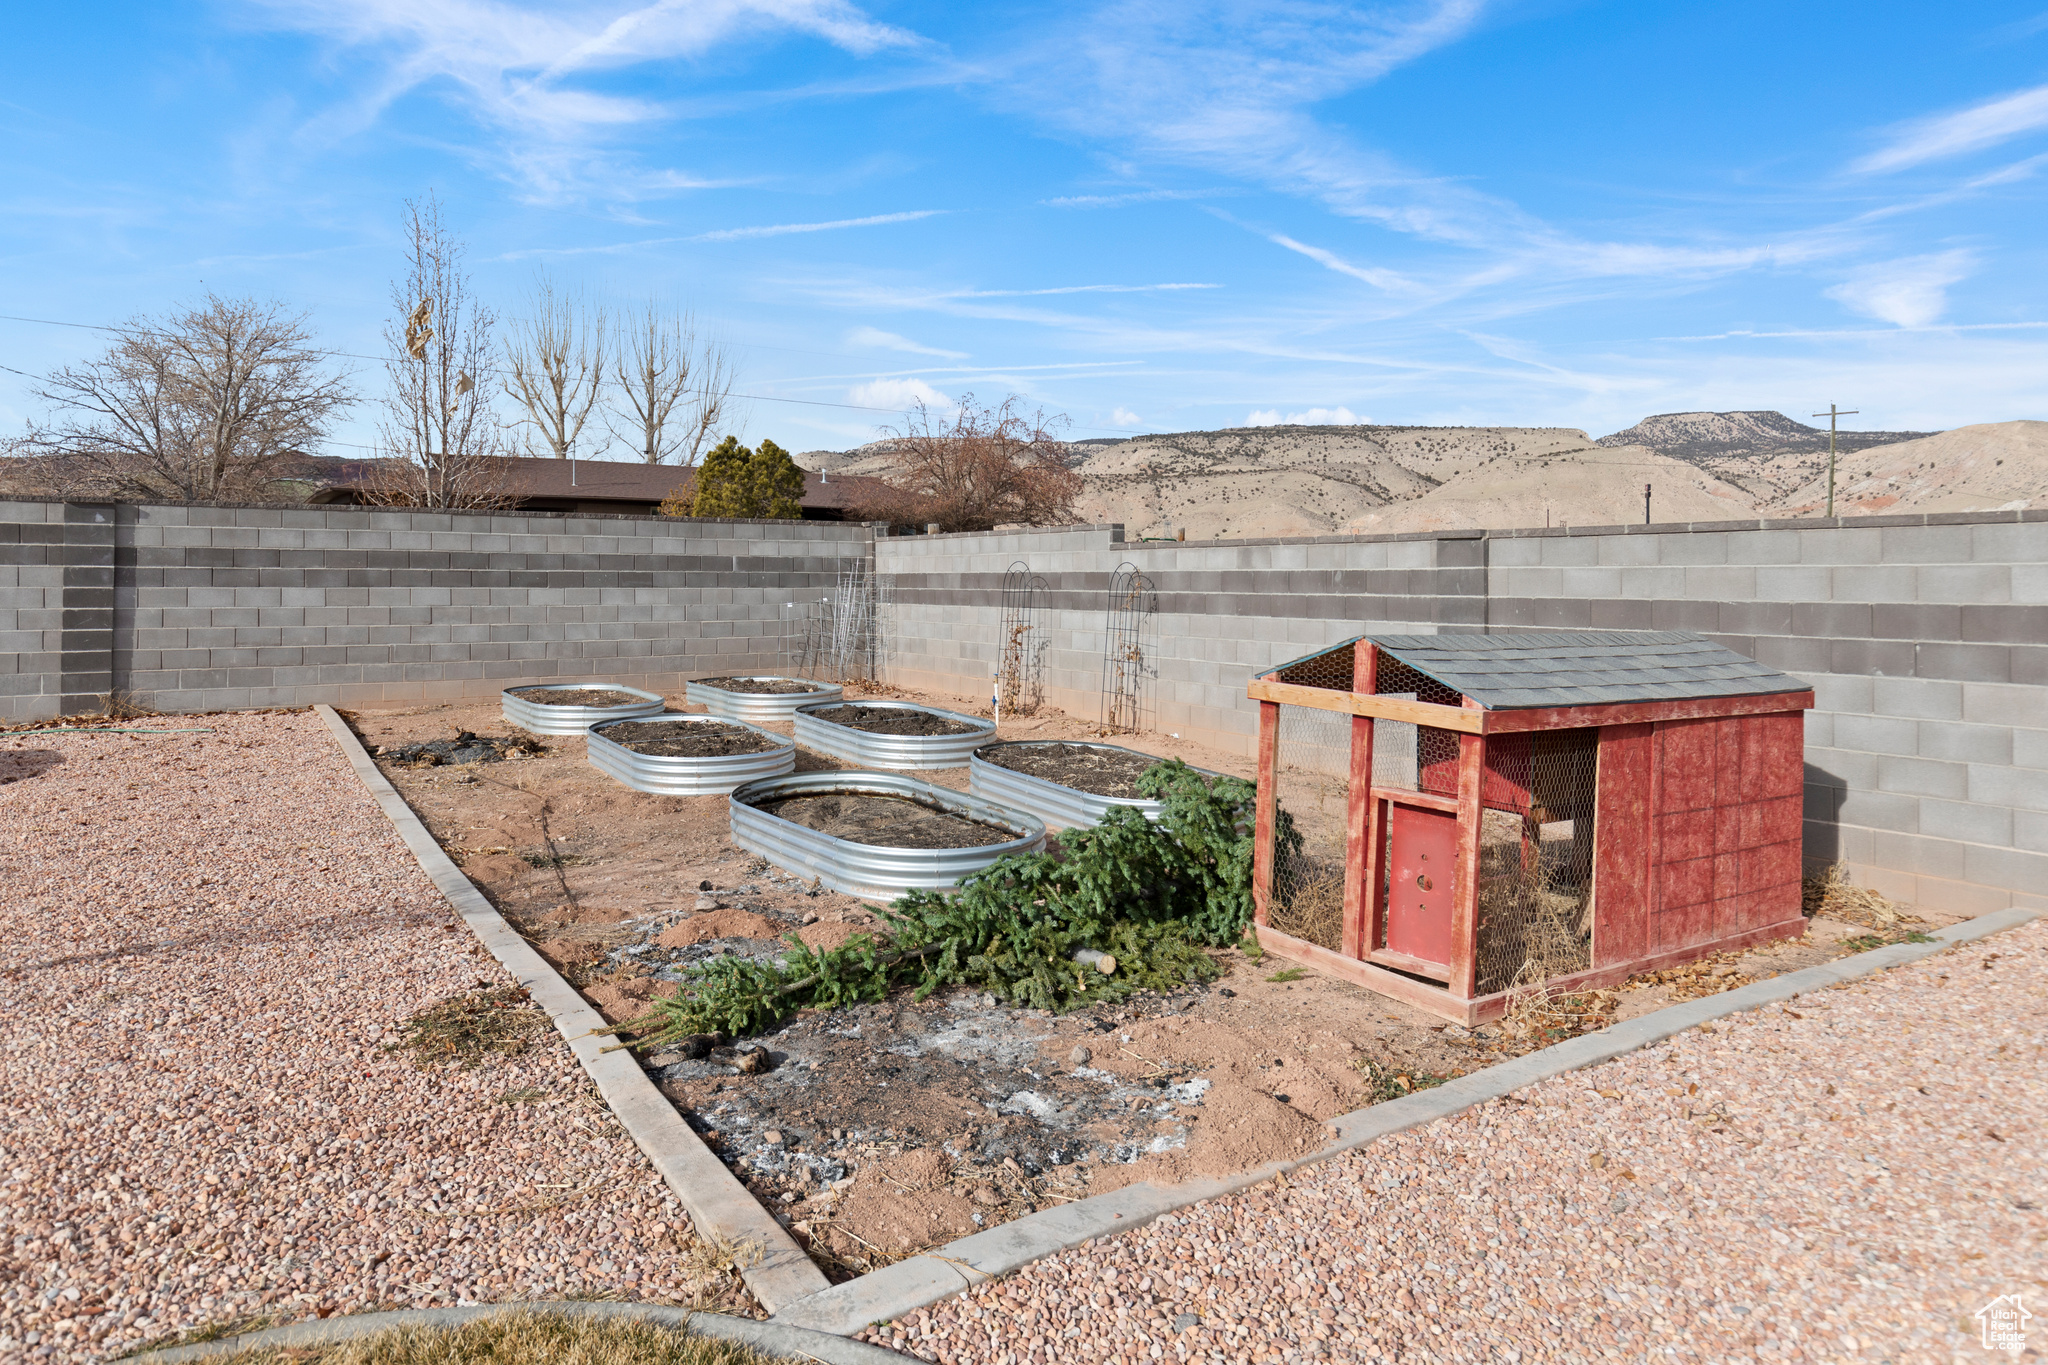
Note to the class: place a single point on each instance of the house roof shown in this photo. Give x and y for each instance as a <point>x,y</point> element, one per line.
<point>532,478</point>
<point>1586,668</point>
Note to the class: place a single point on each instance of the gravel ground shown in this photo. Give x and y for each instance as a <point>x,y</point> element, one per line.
<point>205,942</point>
<point>1850,1177</point>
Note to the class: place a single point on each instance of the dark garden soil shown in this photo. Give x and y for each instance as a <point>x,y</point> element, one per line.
<point>890,720</point>
<point>884,821</point>
<point>767,687</point>
<point>575,696</point>
<point>687,738</point>
<point>462,747</point>
<point>1101,772</point>
<point>879,1131</point>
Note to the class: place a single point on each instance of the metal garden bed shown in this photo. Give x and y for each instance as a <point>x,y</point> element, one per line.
<point>872,871</point>
<point>574,720</point>
<point>892,751</point>
<point>679,775</point>
<point>1061,807</point>
<point>762,706</point>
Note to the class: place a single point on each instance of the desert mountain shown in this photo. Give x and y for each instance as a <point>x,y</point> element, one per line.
<point>1766,453</point>
<point>1296,481</point>
<point>1595,486</point>
<point>1993,466</point>
<point>1702,466</point>
<point>1306,481</point>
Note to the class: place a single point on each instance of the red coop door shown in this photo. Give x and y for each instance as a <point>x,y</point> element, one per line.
<point>1422,861</point>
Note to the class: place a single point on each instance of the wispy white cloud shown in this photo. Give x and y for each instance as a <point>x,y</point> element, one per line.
<point>1314,417</point>
<point>738,234</point>
<point>1117,201</point>
<point>785,229</point>
<point>873,338</point>
<point>1390,280</point>
<point>1073,289</point>
<point>898,394</point>
<point>1909,292</point>
<point>1124,417</point>
<point>1965,130</point>
<point>515,66</point>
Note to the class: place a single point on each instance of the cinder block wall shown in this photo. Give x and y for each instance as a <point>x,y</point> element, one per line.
<point>1223,609</point>
<point>216,607</point>
<point>1925,638</point>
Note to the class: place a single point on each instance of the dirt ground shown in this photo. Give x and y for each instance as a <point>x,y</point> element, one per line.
<point>879,1131</point>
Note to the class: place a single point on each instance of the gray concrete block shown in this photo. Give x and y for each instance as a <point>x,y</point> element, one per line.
<point>1919,698</point>
<point>1923,776</point>
<point>1996,704</point>
<point>1966,584</point>
<point>2003,785</point>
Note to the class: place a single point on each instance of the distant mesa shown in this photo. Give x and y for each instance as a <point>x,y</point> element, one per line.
<point>1702,466</point>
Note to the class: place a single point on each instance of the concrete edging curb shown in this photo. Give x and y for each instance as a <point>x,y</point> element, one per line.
<point>772,1338</point>
<point>717,1202</point>
<point>919,1281</point>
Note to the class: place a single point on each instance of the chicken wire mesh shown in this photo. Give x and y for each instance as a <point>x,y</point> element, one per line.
<point>1311,793</point>
<point>1536,857</point>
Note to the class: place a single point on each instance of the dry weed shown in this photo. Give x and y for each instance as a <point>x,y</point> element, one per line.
<point>467,1029</point>
<point>1829,892</point>
<point>1310,903</point>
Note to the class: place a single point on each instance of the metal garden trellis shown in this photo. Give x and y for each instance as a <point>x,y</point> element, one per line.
<point>1020,658</point>
<point>1126,656</point>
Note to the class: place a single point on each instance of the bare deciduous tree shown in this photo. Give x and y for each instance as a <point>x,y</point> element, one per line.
<point>556,358</point>
<point>973,469</point>
<point>673,391</point>
<point>443,445</point>
<point>204,406</point>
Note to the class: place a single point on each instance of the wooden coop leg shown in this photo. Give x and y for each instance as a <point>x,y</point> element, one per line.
<point>1359,826</point>
<point>1262,827</point>
<point>1465,913</point>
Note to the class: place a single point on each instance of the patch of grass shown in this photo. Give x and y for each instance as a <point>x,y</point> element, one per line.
<point>468,1029</point>
<point>1250,946</point>
<point>1863,943</point>
<point>1289,974</point>
<point>518,1337</point>
<point>205,1332</point>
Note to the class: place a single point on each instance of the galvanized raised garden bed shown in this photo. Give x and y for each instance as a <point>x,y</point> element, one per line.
<point>1061,807</point>
<point>871,870</point>
<point>762,706</point>
<point>574,720</point>
<point>680,775</point>
<point>892,751</point>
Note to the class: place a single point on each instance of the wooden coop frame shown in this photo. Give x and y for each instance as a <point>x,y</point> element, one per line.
<point>1685,758</point>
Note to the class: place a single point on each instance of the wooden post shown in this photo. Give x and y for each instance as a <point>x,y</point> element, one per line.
<point>1465,912</point>
<point>1361,888</point>
<point>1262,828</point>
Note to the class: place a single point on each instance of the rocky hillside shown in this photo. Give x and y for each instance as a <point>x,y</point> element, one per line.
<point>1992,466</point>
<point>1765,453</point>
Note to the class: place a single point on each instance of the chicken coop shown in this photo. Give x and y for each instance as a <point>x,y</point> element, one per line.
<point>1451,819</point>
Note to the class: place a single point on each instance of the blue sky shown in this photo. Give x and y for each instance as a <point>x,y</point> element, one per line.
<point>1146,216</point>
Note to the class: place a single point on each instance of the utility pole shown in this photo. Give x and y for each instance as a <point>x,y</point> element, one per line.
<point>1646,504</point>
<point>1831,414</point>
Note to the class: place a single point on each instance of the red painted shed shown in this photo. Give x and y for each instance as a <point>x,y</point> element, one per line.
<point>1566,808</point>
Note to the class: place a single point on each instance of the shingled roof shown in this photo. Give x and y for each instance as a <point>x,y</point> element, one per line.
<point>1586,667</point>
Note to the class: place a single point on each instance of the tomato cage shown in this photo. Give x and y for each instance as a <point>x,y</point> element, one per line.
<point>1450,819</point>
